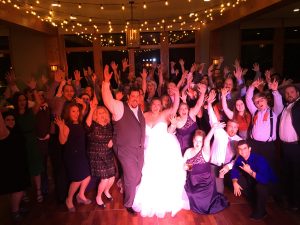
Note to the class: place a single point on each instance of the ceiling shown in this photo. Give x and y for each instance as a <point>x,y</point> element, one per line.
<point>88,16</point>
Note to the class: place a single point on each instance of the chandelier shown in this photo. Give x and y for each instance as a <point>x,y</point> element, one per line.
<point>133,33</point>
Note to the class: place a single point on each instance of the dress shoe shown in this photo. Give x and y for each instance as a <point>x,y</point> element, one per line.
<point>258,216</point>
<point>131,211</point>
<point>110,199</point>
<point>85,202</point>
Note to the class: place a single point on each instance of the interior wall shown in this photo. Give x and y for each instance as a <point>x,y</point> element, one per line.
<point>28,52</point>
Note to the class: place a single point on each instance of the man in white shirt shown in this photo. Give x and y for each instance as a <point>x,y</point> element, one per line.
<point>128,137</point>
<point>223,149</point>
<point>289,133</point>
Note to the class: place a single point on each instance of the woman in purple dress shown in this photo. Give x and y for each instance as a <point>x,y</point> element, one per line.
<point>185,124</point>
<point>200,183</point>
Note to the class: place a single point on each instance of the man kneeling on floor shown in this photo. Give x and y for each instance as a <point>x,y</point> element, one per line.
<point>253,177</point>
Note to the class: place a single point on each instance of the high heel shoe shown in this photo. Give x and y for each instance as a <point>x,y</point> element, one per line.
<point>101,205</point>
<point>70,209</point>
<point>81,201</point>
<point>110,199</point>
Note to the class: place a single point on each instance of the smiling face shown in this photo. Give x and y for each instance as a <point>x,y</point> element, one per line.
<point>183,110</point>
<point>133,99</point>
<point>261,103</point>
<point>156,106</point>
<point>228,84</point>
<point>240,106</point>
<point>232,128</point>
<point>244,150</point>
<point>198,142</point>
<point>74,114</point>
<point>10,121</point>
<point>291,94</point>
<point>68,92</point>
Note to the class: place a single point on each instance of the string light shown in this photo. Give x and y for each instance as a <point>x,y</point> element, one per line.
<point>123,7</point>
<point>79,6</point>
<point>101,7</point>
<point>144,5</point>
<point>166,2</point>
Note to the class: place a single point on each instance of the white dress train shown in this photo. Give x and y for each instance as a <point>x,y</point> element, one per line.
<point>163,178</point>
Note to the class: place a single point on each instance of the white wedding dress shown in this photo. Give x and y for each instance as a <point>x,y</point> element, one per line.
<point>163,178</point>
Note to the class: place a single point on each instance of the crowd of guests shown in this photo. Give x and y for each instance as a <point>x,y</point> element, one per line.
<point>232,132</point>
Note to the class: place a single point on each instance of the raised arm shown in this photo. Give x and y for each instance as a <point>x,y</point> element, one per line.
<point>194,111</point>
<point>93,107</point>
<point>212,116</point>
<point>278,104</point>
<point>227,111</point>
<point>249,95</point>
<point>206,144</point>
<point>144,80</point>
<point>114,106</point>
<point>63,130</point>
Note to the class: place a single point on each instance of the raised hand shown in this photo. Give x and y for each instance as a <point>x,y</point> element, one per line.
<point>238,73</point>
<point>114,66</point>
<point>257,83</point>
<point>59,122</point>
<point>268,75</point>
<point>173,120</point>
<point>89,71</point>
<point>255,67</point>
<point>10,77</point>
<point>172,64</point>
<point>181,62</point>
<point>201,88</point>
<point>193,68</point>
<point>93,104</point>
<point>77,75</point>
<point>125,64</point>
<point>226,70</point>
<point>224,92</point>
<point>59,75</point>
<point>94,78</point>
<point>44,79</point>
<point>106,74</point>
<point>144,74</point>
<point>211,96</point>
<point>210,70</point>
<point>219,125</point>
<point>31,83</point>
<point>237,63</point>
<point>273,85</point>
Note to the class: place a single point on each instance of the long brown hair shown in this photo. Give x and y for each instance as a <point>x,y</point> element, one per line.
<point>67,112</point>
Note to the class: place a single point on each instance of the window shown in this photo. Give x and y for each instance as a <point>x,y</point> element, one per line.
<point>257,34</point>
<point>78,61</point>
<point>150,38</point>
<point>182,37</point>
<point>77,41</point>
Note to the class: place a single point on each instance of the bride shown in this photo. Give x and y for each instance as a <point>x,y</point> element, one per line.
<point>163,176</point>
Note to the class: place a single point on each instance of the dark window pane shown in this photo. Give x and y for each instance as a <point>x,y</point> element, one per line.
<point>5,66</point>
<point>257,34</point>
<point>117,56</point>
<point>150,38</point>
<point>77,41</point>
<point>78,61</point>
<point>4,43</point>
<point>292,33</point>
<point>113,39</point>
<point>262,54</point>
<point>145,58</point>
<point>187,54</point>
<point>291,61</point>
<point>182,37</point>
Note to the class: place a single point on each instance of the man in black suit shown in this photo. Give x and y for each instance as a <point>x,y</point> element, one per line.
<point>289,133</point>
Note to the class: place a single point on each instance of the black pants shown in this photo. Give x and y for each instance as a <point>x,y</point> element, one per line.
<point>291,172</point>
<point>59,172</point>
<point>43,148</point>
<point>256,193</point>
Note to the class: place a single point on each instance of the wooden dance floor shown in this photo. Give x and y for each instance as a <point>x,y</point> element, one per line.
<point>50,213</point>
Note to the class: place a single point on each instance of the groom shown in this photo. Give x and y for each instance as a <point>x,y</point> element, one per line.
<point>128,137</point>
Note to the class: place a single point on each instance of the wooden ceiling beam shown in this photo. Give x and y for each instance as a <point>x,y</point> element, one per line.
<point>15,16</point>
<point>241,11</point>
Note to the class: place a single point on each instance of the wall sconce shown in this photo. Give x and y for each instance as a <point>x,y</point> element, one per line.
<point>53,68</point>
<point>216,62</point>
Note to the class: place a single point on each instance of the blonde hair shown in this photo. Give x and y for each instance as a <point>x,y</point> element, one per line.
<point>107,119</point>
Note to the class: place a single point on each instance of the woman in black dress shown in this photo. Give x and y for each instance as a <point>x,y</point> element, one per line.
<point>99,148</point>
<point>72,136</point>
<point>13,163</point>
